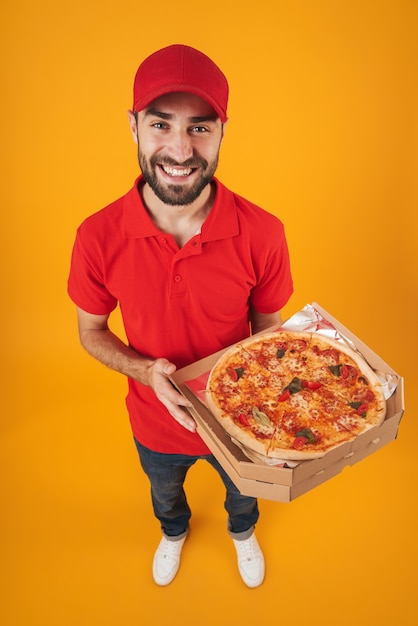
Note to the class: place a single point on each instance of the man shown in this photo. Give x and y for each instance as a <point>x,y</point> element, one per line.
<point>194,268</point>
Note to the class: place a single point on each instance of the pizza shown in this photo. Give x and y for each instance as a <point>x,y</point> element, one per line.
<point>294,395</point>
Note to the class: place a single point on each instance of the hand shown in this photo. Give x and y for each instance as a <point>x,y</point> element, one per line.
<point>158,373</point>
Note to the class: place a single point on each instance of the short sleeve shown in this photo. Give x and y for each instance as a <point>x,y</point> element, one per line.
<point>86,285</point>
<point>275,285</point>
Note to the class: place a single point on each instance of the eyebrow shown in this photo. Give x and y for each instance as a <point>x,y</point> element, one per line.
<point>170,116</point>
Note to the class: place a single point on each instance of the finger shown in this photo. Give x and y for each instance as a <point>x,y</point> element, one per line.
<point>165,389</point>
<point>182,417</point>
<point>170,394</point>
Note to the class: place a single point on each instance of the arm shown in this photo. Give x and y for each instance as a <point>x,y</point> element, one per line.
<point>262,321</point>
<point>101,343</point>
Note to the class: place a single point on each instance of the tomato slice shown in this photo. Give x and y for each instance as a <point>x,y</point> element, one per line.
<point>362,410</point>
<point>311,384</point>
<point>235,373</point>
<point>300,442</point>
<point>243,419</point>
<point>298,344</point>
<point>284,396</point>
<point>344,371</point>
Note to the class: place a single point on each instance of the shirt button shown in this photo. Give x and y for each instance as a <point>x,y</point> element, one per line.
<point>177,278</point>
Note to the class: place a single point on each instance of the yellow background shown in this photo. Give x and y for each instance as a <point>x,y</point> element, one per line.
<point>323,133</point>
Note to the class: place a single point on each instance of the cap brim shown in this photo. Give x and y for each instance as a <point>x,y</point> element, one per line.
<point>142,103</point>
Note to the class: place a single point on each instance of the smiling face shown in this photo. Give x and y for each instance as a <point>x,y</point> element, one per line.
<point>178,136</point>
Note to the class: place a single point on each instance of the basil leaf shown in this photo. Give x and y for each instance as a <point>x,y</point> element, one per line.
<point>239,371</point>
<point>261,417</point>
<point>295,385</point>
<point>306,432</point>
<point>335,369</point>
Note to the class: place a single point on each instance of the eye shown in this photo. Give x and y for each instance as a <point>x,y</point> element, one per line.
<point>200,129</point>
<point>159,125</point>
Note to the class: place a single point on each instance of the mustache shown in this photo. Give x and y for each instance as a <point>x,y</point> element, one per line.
<point>192,162</point>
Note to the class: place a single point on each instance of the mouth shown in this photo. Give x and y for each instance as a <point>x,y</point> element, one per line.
<point>176,172</point>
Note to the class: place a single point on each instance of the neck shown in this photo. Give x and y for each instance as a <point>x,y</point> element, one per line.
<point>181,221</point>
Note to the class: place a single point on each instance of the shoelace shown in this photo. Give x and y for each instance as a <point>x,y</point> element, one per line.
<point>171,550</point>
<point>247,549</point>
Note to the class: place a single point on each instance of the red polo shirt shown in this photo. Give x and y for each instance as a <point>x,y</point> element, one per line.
<point>179,303</point>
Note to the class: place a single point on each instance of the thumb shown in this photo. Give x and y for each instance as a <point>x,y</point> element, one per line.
<point>168,368</point>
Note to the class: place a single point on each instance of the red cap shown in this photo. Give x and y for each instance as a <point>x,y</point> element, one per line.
<point>181,68</point>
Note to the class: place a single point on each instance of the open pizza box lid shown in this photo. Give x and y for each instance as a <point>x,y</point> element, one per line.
<point>255,478</point>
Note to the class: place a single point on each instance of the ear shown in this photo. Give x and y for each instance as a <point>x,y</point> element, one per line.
<point>224,127</point>
<point>133,126</point>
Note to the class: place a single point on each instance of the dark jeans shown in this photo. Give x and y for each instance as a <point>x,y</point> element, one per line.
<point>167,472</point>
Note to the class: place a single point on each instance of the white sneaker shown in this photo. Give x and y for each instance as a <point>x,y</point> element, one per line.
<point>250,561</point>
<point>167,560</point>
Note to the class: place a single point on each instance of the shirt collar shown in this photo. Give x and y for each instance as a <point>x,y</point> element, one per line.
<point>221,223</point>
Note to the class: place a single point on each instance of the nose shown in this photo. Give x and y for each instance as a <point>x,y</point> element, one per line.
<point>180,146</point>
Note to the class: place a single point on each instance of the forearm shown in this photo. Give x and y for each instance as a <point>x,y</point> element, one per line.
<point>106,347</point>
<point>263,321</point>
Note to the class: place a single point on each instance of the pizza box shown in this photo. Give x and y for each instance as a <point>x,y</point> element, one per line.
<point>284,484</point>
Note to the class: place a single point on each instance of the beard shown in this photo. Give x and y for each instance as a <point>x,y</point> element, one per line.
<point>175,194</point>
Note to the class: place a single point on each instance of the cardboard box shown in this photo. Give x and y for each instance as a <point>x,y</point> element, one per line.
<point>280,483</point>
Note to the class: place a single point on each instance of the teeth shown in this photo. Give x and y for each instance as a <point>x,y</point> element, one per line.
<point>173,171</point>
